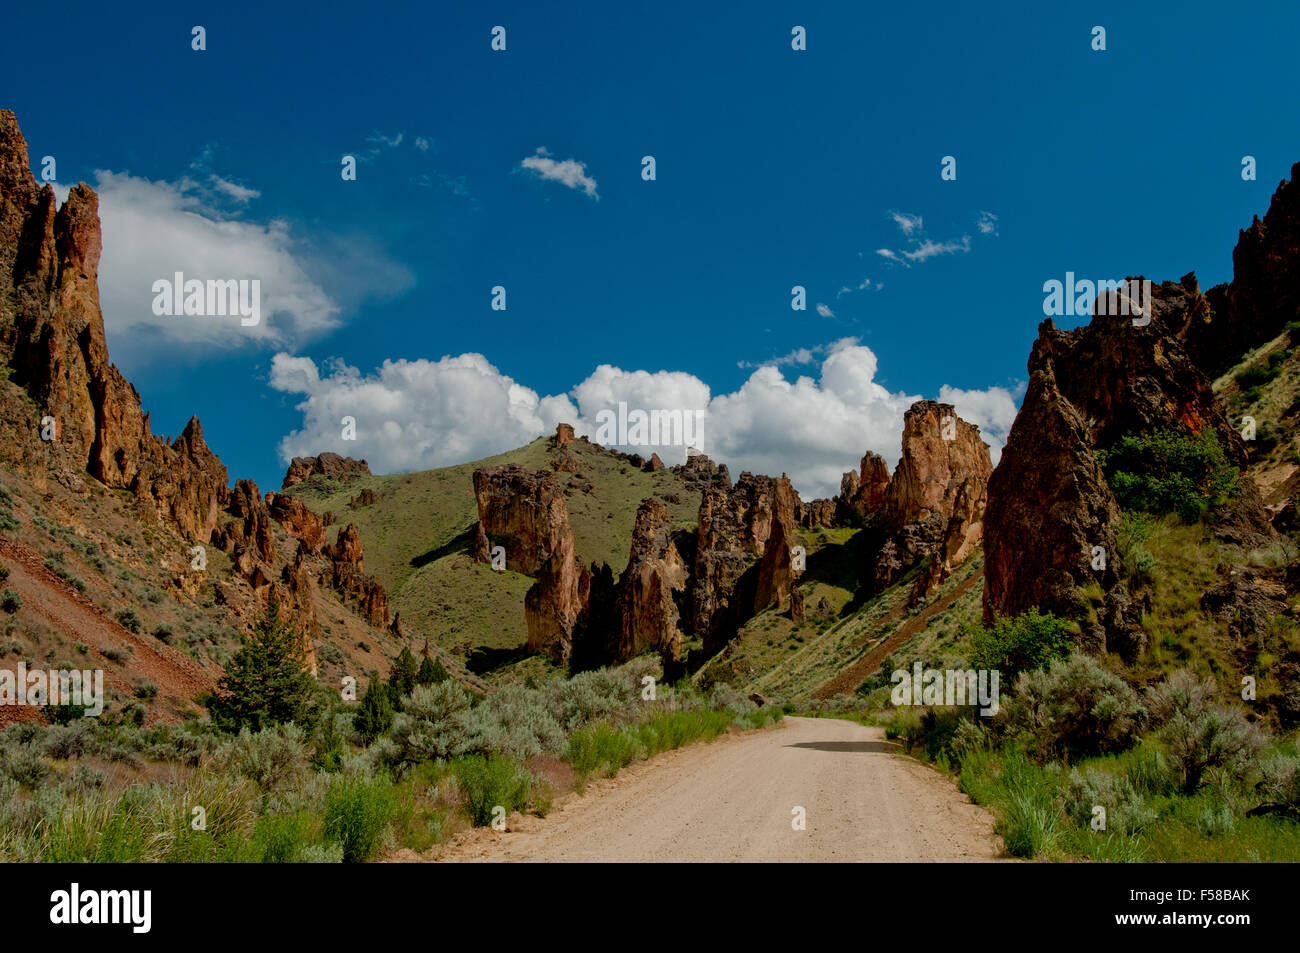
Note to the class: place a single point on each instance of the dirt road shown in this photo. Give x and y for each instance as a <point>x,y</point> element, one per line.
<point>732,800</point>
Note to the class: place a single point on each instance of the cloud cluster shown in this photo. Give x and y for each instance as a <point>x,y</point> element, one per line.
<point>154,229</point>
<point>570,172</point>
<point>418,414</point>
<point>922,248</point>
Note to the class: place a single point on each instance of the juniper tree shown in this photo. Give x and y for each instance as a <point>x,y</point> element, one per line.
<point>431,672</point>
<point>266,682</point>
<point>401,681</point>
<point>375,713</point>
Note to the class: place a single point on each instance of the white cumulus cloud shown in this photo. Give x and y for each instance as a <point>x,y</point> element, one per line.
<point>418,414</point>
<point>570,172</point>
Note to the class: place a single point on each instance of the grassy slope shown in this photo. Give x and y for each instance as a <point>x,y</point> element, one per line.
<point>417,536</point>
<point>1275,405</point>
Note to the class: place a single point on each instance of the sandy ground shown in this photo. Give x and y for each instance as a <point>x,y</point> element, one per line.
<point>732,800</point>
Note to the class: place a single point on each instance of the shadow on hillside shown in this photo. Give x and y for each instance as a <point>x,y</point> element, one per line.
<point>864,747</point>
<point>463,542</point>
<point>483,659</point>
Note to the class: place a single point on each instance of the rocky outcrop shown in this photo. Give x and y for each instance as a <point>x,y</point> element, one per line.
<point>563,434</point>
<point>700,473</point>
<point>1263,295</point>
<point>816,514</point>
<point>862,494</point>
<point>552,604</point>
<point>251,527</point>
<point>1132,379</point>
<point>52,340</point>
<point>300,599</point>
<point>933,507</point>
<point>776,572</point>
<point>1049,506</point>
<point>329,465</point>
<point>732,535</point>
<point>298,521</point>
<point>1050,525</point>
<point>523,511</point>
<point>347,548</point>
<point>651,588</point>
<point>348,578</point>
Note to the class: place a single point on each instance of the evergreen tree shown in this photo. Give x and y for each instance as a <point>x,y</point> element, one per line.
<point>431,672</point>
<point>401,681</point>
<point>266,682</point>
<point>375,714</point>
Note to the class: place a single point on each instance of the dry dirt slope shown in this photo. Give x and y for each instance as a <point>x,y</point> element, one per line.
<point>731,800</point>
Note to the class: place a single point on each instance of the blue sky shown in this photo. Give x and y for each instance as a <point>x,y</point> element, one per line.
<point>774,168</point>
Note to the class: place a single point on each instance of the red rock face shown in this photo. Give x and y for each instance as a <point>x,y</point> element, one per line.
<point>863,494</point>
<point>651,587</point>
<point>49,263</point>
<point>734,528</point>
<point>817,513</point>
<point>1133,379</point>
<point>1049,505</point>
<point>300,600</point>
<point>552,605</point>
<point>563,435</point>
<point>524,512</point>
<point>1263,296</point>
<point>347,548</point>
<point>933,507</point>
<point>873,482</point>
<point>298,521</point>
<point>329,465</point>
<point>775,570</point>
<point>251,528</point>
<point>940,452</point>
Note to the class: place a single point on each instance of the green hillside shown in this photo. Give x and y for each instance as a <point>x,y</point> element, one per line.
<point>418,532</point>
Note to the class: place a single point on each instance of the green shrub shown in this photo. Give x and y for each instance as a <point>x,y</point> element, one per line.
<point>491,782</point>
<point>1127,811</point>
<point>1031,640</point>
<point>275,758</point>
<point>321,854</point>
<point>601,749</point>
<point>1170,472</point>
<point>1257,375</point>
<point>128,619</point>
<point>431,725</point>
<point>1074,708</point>
<point>358,812</point>
<point>1030,823</point>
<point>10,601</point>
<point>1199,735</point>
<point>514,721</point>
<point>281,838</point>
